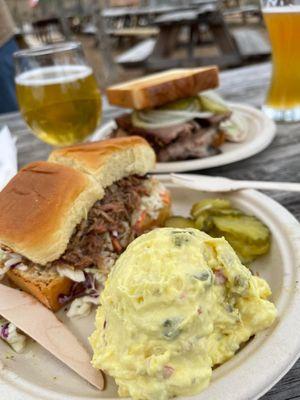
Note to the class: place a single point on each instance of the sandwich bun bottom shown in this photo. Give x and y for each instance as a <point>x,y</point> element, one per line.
<point>47,291</point>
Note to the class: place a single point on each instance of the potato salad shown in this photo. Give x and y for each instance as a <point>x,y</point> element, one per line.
<point>177,303</point>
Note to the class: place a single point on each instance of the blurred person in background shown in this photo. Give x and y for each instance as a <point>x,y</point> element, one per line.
<point>8,45</point>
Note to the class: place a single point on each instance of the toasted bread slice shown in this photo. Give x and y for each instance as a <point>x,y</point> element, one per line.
<point>162,88</point>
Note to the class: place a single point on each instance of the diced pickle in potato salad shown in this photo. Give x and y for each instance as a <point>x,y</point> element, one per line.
<point>177,303</point>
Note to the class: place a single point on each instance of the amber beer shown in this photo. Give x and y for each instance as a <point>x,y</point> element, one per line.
<point>61,104</point>
<point>283,24</point>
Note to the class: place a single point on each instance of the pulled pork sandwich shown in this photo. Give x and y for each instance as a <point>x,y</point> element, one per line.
<point>175,111</point>
<point>64,223</point>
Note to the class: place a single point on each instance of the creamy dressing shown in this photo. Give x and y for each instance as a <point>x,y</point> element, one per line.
<point>176,303</point>
<point>76,275</point>
<point>82,306</point>
<point>10,260</point>
<point>153,203</point>
<point>12,336</point>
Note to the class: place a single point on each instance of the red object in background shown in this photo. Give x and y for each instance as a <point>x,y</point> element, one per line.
<point>33,3</point>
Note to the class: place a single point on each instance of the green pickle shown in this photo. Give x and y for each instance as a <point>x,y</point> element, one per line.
<point>248,236</point>
<point>179,222</point>
<point>208,204</point>
<point>189,103</point>
<point>247,252</point>
<point>204,222</point>
<point>244,227</point>
<point>211,101</point>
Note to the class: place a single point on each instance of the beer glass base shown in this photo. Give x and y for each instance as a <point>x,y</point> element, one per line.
<point>284,115</point>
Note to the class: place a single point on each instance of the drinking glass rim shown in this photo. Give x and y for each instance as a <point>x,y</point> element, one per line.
<point>48,49</point>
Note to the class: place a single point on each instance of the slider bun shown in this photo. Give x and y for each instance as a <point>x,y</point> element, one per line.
<point>41,206</point>
<point>46,287</point>
<point>108,160</point>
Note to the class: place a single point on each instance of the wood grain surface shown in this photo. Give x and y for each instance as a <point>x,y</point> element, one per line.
<point>279,162</point>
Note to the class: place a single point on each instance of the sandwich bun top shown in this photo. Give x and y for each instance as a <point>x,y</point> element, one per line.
<point>40,208</point>
<point>108,160</point>
<point>164,87</point>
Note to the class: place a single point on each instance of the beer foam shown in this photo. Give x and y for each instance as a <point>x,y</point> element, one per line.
<point>53,75</point>
<point>282,10</point>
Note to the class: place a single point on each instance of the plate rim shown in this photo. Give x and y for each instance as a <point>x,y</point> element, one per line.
<point>292,226</point>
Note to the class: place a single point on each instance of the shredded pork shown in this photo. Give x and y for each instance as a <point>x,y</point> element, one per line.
<point>111,224</point>
<point>109,220</point>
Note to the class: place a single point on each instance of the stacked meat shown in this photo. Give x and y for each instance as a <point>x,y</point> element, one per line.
<point>198,138</point>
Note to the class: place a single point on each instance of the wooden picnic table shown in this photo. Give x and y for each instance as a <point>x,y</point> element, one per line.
<point>131,17</point>
<point>279,162</point>
<point>151,10</point>
<point>208,16</point>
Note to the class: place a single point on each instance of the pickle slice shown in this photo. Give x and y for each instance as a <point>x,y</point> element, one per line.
<point>248,236</point>
<point>247,252</point>
<point>203,222</point>
<point>243,227</point>
<point>179,222</point>
<point>187,104</point>
<point>225,211</point>
<point>208,204</point>
<point>213,102</point>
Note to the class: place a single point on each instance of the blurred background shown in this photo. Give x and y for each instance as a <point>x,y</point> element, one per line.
<point>123,39</point>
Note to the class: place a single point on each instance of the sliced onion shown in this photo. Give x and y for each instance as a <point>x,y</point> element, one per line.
<point>3,271</point>
<point>212,101</point>
<point>22,267</point>
<point>74,274</point>
<point>189,104</point>
<point>156,119</point>
<point>235,128</point>
<point>12,261</point>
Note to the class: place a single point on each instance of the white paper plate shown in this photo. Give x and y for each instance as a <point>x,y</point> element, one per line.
<point>36,375</point>
<point>260,133</point>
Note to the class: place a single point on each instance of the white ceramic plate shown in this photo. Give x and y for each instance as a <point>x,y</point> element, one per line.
<point>36,375</point>
<point>260,133</point>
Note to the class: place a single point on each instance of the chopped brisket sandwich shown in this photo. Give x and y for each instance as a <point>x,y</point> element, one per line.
<point>175,111</point>
<point>63,223</point>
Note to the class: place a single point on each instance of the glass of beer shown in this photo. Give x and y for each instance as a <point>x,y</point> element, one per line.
<point>57,93</point>
<point>282,18</point>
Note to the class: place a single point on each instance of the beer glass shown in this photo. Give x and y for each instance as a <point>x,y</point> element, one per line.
<point>282,18</point>
<point>57,93</point>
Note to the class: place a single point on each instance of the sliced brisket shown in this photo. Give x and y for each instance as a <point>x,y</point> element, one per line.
<point>194,139</point>
<point>198,145</point>
<point>159,137</point>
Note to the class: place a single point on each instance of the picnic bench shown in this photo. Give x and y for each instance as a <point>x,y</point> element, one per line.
<point>244,12</point>
<point>137,55</point>
<point>144,16</point>
<point>133,32</point>
<point>251,43</point>
<point>159,55</point>
<point>132,35</point>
